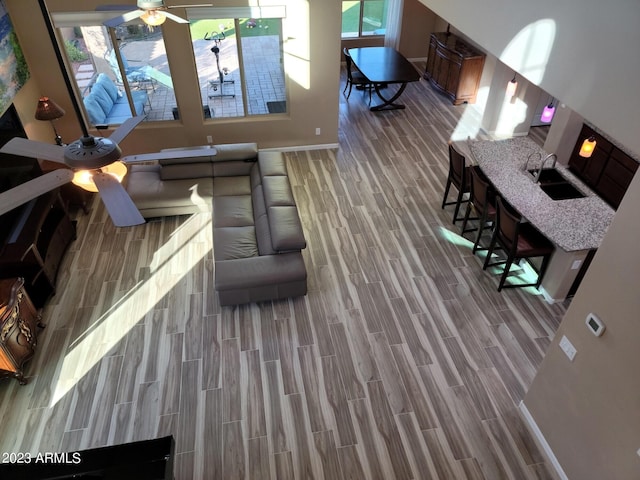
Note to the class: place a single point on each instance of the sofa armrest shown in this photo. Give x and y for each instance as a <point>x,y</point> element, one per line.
<point>259,271</point>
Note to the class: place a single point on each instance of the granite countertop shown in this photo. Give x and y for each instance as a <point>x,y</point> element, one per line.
<point>574,224</point>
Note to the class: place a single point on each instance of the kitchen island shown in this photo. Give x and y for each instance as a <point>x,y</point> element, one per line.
<point>576,226</point>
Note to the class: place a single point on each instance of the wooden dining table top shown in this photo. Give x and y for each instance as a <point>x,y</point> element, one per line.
<point>384,65</point>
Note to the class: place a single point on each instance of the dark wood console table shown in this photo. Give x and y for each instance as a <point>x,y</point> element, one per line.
<point>454,67</point>
<point>18,332</point>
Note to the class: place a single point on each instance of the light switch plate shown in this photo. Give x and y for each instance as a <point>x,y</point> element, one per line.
<point>568,348</point>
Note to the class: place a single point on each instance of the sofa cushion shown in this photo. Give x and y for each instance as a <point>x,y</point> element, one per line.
<point>102,97</point>
<point>148,192</point>
<point>109,87</point>
<point>232,211</point>
<point>194,170</point>
<point>277,191</point>
<point>231,186</point>
<point>236,151</point>
<point>94,110</point>
<point>286,230</point>
<point>230,243</point>
<point>122,112</point>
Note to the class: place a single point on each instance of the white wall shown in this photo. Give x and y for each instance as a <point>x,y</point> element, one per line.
<point>592,63</point>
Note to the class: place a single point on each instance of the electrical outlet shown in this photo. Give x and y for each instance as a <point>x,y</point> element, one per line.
<point>318,131</point>
<point>209,139</point>
<point>568,348</point>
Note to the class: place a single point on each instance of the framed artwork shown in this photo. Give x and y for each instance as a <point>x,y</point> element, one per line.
<point>13,67</point>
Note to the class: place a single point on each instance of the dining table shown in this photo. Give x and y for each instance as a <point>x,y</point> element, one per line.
<point>385,66</point>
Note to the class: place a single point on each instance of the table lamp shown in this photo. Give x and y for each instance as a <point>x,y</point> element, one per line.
<point>47,109</point>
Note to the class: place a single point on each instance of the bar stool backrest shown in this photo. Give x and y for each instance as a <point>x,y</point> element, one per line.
<point>457,170</point>
<point>481,190</point>
<point>508,224</point>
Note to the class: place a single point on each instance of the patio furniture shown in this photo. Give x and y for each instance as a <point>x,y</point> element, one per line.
<point>138,77</point>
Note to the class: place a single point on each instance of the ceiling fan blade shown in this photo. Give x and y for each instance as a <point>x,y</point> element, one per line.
<point>33,188</point>
<point>125,129</point>
<point>31,148</point>
<point>124,18</point>
<point>121,208</point>
<point>206,151</point>
<point>175,18</point>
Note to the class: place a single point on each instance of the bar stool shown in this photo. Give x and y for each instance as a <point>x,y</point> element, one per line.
<point>519,241</point>
<point>482,201</point>
<point>458,177</point>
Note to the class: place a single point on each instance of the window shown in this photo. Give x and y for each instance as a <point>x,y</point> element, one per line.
<point>118,72</point>
<point>361,18</point>
<point>239,60</point>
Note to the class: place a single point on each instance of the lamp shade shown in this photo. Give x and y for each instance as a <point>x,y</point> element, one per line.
<point>588,146</point>
<point>47,109</point>
<point>547,113</point>
<point>153,18</point>
<point>512,87</point>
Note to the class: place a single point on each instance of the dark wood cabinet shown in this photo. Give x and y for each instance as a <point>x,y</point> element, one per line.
<point>19,322</point>
<point>454,67</point>
<point>38,235</point>
<point>608,171</point>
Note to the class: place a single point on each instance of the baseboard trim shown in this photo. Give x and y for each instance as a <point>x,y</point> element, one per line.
<point>548,298</point>
<point>301,148</point>
<point>537,433</point>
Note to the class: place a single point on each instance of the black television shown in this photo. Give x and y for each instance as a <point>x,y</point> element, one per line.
<point>15,170</point>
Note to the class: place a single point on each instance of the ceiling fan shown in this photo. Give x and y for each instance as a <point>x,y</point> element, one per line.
<point>152,12</point>
<point>94,164</point>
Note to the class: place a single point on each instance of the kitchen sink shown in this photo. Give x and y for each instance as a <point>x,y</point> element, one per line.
<point>548,175</point>
<point>561,191</point>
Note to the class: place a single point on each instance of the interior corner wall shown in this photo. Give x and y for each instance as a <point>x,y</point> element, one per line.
<point>593,56</point>
<point>589,410</point>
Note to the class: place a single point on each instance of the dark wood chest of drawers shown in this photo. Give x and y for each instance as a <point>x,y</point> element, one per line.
<point>454,67</point>
<point>19,324</point>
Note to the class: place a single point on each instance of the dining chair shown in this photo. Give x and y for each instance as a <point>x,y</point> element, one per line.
<point>459,177</point>
<point>519,240</point>
<point>354,76</point>
<point>482,202</point>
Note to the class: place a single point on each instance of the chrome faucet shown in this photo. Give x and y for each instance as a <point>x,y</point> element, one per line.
<point>526,164</point>
<point>544,161</point>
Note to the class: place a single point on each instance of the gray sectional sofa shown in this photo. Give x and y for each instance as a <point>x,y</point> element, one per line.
<point>257,233</point>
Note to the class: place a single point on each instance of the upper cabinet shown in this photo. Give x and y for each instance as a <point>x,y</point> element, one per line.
<point>608,171</point>
<point>454,67</point>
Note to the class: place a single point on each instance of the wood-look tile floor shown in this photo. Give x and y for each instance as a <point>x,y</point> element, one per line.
<point>403,361</point>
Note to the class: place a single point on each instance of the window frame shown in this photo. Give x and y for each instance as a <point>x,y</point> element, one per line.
<point>361,16</point>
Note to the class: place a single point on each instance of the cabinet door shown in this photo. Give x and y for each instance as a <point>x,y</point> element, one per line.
<point>594,166</point>
<point>453,78</point>
<point>430,68</point>
<point>441,73</point>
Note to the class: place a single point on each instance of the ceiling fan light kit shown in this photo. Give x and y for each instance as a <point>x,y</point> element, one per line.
<point>153,18</point>
<point>84,178</point>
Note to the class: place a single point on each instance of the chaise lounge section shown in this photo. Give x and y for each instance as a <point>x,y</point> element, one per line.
<point>257,233</point>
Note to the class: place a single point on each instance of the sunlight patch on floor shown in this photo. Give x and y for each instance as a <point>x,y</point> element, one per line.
<point>172,262</point>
